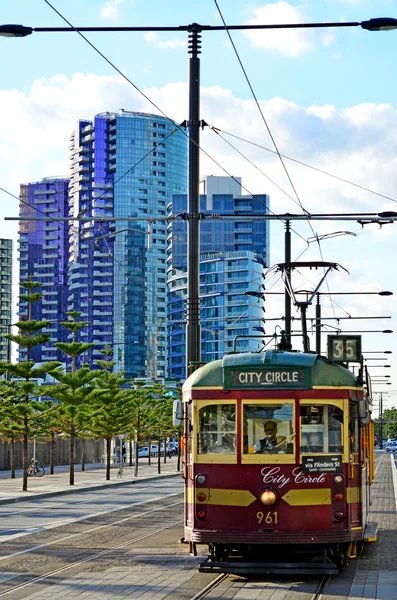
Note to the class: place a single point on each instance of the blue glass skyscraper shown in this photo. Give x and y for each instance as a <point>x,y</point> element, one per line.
<point>5,296</point>
<point>125,165</point>
<point>43,255</point>
<point>233,254</point>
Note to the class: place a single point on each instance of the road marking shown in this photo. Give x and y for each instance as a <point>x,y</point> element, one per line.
<point>87,531</point>
<point>88,559</point>
<point>85,517</point>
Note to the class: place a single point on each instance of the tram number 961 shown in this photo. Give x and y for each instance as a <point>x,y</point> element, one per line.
<point>270,518</point>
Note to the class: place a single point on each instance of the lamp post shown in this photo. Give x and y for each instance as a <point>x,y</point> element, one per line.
<point>194,30</point>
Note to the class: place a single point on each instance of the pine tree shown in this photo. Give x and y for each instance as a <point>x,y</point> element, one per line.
<point>110,410</point>
<point>20,390</point>
<point>75,389</point>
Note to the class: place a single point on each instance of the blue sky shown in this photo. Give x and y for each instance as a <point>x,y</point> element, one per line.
<point>329,97</point>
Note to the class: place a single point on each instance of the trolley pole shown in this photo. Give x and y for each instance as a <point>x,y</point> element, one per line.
<point>193,335</point>
<point>318,325</point>
<point>287,297</point>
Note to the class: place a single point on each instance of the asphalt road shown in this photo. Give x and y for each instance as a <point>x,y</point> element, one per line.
<point>33,516</point>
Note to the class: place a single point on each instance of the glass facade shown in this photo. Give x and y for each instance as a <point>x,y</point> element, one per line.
<point>5,296</point>
<point>125,165</point>
<point>43,254</point>
<point>233,254</point>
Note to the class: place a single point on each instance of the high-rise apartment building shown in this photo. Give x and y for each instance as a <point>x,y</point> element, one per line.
<point>125,165</point>
<point>5,296</point>
<point>233,254</point>
<point>43,255</point>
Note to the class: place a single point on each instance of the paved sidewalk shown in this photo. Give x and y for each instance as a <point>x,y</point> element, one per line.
<point>92,478</point>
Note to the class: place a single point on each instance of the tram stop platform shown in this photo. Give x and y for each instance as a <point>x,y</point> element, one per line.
<point>374,575</point>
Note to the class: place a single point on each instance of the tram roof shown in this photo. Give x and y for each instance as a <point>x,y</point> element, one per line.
<point>321,372</point>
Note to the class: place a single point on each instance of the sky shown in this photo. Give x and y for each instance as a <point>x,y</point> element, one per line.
<point>327,96</point>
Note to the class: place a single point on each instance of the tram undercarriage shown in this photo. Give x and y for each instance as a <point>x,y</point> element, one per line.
<point>284,559</point>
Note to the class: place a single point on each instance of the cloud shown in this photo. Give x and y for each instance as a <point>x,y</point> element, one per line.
<point>110,10</point>
<point>293,42</point>
<point>152,38</point>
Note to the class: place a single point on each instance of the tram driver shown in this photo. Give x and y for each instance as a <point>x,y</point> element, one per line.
<point>271,443</point>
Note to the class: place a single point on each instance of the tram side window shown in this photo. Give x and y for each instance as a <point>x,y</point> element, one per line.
<point>217,429</point>
<point>321,429</point>
<point>268,429</point>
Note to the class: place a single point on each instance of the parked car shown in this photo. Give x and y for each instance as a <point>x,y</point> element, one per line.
<point>392,447</point>
<point>144,452</point>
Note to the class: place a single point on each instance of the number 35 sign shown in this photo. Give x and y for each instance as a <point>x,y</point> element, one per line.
<point>344,348</point>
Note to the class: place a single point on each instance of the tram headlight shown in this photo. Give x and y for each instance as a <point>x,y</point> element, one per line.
<point>268,497</point>
<point>338,497</point>
<point>339,515</point>
<point>201,497</point>
<point>201,479</point>
<point>338,479</point>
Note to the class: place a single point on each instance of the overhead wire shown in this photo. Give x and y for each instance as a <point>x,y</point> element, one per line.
<point>268,129</point>
<point>166,116</point>
<point>303,164</point>
<point>180,128</point>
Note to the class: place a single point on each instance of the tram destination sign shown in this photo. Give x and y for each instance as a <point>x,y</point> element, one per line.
<point>254,378</point>
<point>322,464</point>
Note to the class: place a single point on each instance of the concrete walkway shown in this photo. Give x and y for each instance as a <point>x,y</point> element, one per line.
<point>92,478</point>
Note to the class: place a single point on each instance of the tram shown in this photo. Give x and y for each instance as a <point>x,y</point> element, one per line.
<point>278,460</point>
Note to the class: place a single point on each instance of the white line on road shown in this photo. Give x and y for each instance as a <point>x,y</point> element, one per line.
<point>87,531</point>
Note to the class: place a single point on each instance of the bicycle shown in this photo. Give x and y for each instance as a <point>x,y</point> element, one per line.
<point>35,468</point>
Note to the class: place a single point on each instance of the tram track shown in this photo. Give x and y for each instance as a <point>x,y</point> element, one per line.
<point>77,563</point>
<point>317,594</point>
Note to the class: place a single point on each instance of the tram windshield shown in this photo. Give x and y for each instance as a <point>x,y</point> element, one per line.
<point>217,429</point>
<point>321,429</point>
<point>268,428</point>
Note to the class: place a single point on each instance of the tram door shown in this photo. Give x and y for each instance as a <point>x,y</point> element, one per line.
<point>355,469</point>
<point>188,467</point>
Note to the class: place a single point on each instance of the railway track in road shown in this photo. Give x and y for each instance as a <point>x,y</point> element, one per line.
<point>317,594</point>
<point>89,539</point>
<point>77,563</point>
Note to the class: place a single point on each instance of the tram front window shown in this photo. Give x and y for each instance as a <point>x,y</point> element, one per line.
<point>268,429</point>
<point>217,429</point>
<point>321,429</point>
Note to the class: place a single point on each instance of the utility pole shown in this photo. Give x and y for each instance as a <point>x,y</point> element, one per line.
<point>381,418</point>
<point>193,335</point>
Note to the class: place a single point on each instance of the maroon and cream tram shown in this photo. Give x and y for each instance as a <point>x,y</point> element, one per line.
<point>278,461</point>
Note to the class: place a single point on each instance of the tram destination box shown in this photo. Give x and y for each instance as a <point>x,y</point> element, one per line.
<point>322,464</point>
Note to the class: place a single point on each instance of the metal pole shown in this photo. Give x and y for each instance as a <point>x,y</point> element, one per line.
<point>193,341</point>
<point>136,453</point>
<point>381,419</point>
<point>287,297</point>
<point>318,325</point>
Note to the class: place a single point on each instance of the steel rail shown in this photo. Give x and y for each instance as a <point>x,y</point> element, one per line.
<point>85,560</point>
<point>211,586</point>
<point>318,594</point>
<point>88,531</point>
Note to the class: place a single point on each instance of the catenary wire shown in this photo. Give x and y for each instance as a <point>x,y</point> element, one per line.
<point>268,128</point>
<point>157,108</point>
<point>303,164</point>
<point>160,110</point>
<point>259,107</point>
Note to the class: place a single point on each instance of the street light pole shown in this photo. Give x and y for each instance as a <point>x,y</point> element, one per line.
<point>193,337</point>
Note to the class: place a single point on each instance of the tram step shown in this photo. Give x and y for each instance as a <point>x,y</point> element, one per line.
<point>371,532</point>
<point>247,568</point>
